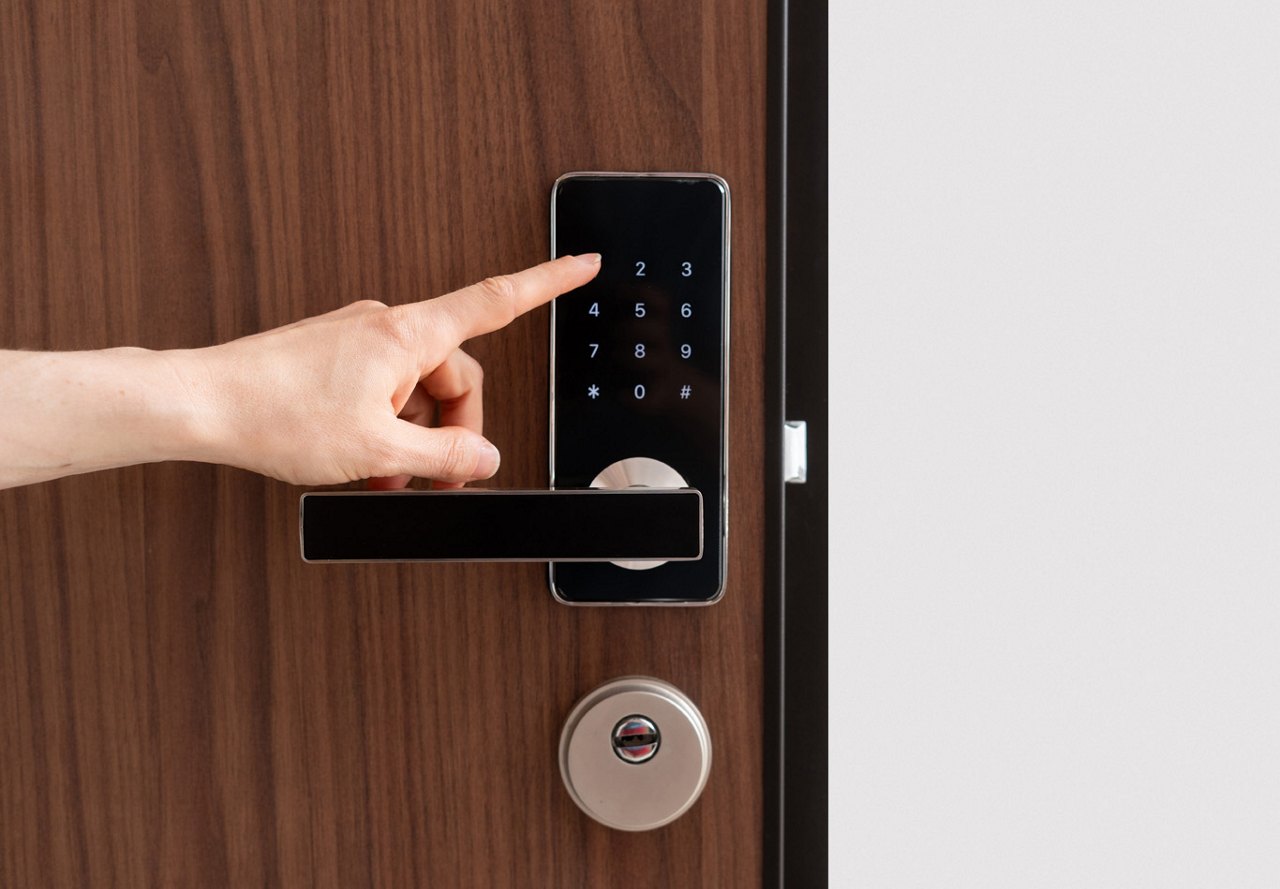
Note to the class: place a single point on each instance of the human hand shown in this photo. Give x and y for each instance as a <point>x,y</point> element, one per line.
<point>347,395</point>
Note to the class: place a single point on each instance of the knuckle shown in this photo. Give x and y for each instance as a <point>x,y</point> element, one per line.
<point>368,304</point>
<point>397,325</point>
<point>500,292</point>
<point>382,457</point>
<point>499,287</point>
<point>457,459</point>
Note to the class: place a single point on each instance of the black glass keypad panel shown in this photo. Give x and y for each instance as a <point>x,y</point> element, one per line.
<point>638,361</point>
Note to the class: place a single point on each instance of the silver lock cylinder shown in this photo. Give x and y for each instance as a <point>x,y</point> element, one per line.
<point>635,753</point>
<point>636,739</point>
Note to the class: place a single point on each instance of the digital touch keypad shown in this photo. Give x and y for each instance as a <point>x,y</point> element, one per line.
<point>639,358</point>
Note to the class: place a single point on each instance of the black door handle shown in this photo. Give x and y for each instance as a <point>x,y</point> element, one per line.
<point>588,525</point>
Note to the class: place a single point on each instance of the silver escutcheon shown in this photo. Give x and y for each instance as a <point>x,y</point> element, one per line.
<point>621,768</point>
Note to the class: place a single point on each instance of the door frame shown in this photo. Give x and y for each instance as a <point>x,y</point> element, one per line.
<point>795,615</point>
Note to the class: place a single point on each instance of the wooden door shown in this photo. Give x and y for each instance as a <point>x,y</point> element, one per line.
<point>183,702</point>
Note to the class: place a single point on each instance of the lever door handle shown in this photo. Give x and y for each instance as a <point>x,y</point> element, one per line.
<point>584,525</point>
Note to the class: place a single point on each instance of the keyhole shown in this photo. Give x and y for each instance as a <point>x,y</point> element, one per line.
<point>636,739</point>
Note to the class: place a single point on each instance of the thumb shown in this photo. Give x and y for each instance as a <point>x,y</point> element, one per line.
<point>444,453</point>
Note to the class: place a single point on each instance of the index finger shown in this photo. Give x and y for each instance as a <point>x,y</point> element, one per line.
<point>496,302</point>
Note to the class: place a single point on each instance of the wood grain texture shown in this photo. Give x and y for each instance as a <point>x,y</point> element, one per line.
<point>182,701</point>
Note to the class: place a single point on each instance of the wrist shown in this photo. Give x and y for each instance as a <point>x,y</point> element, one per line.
<point>185,410</point>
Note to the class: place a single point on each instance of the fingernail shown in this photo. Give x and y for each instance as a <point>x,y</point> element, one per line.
<point>588,258</point>
<point>488,460</point>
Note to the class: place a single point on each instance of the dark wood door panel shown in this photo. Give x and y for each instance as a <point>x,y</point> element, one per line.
<point>182,701</point>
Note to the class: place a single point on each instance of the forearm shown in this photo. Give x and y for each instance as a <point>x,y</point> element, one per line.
<point>63,413</point>
<point>331,399</point>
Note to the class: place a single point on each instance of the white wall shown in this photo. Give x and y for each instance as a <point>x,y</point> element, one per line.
<point>1055,369</point>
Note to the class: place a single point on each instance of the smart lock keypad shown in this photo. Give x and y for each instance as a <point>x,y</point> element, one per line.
<point>639,359</point>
